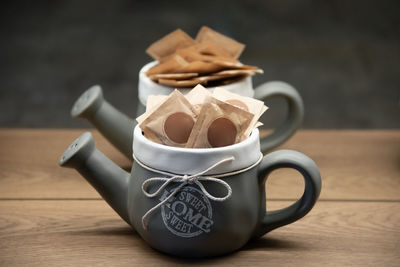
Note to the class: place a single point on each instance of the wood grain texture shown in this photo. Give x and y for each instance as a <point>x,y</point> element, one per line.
<point>83,233</point>
<point>50,216</point>
<point>354,164</point>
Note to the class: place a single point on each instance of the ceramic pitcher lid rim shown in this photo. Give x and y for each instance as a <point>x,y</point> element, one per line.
<point>191,160</point>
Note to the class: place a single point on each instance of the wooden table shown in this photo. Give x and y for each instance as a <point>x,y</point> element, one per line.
<point>50,216</point>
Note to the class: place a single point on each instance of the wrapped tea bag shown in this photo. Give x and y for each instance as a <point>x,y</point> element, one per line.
<point>173,76</point>
<point>177,64</point>
<point>202,80</point>
<point>169,44</point>
<point>232,47</point>
<point>254,106</point>
<point>210,48</point>
<point>207,52</point>
<point>173,65</point>
<point>237,72</point>
<point>210,60</point>
<point>153,101</point>
<point>180,83</point>
<point>171,122</point>
<point>219,124</point>
<point>196,96</point>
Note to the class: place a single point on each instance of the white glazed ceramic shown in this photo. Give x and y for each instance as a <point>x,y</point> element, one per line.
<point>184,160</point>
<point>118,128</point>
<point>147,87</point>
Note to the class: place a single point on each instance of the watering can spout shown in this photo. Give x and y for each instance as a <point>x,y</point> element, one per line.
<point>104,175</point>
<point>113,124</point>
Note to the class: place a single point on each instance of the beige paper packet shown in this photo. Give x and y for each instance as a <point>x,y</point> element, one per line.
<point>180,83</point>
<point>178,64</point>
<point>202,67</point>
<point>171,122</point>
<point>169,44</point>
<point>233,48</point>
<point>203,53</point>
<point>197,96</point>
<point>202,80</point>
<point>218,124</point>
<point>236,65</point>
<point>172,65</point>
<point>210,48</point>
<point>233,73</point>
<point>173,76</point>
<point>153,101</point>
<point>230,80</point>
<point>249,104</point>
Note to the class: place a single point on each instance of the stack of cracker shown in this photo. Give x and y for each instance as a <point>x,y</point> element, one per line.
<point>211,60</point>
<point>200,119</point>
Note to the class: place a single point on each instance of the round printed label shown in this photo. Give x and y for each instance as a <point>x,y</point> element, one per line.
<point>188,213</point>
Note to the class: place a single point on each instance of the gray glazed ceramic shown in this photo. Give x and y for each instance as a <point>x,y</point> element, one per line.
<point>191,224</point>
<point>117,127</point>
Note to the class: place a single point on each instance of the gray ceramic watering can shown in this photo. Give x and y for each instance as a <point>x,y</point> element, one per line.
<point>117,127</point>
<point>194,202</point>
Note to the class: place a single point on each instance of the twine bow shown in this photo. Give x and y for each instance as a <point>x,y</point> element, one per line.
<point>183,180</point>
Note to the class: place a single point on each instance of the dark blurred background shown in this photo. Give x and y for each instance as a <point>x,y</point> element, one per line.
<point>342,56</point>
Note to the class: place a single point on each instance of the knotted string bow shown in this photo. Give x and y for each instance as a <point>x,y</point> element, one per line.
<point>183,180</point>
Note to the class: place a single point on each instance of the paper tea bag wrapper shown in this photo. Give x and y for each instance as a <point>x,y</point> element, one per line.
<point>169,44</point>
<point>196,96</point>
<point>173,76</point>
<point>177,64</point>
<point>207,52</point>
<point>237,72</point>
<point>249,104</point>
<point>233,47</point>
<point>151,103</point>
<point>171,122</point>
<point>173,65</point>
<point>210,48</point>
<point>219,124</point>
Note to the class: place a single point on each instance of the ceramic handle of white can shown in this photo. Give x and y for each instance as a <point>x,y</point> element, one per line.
<point>295,112</point>
<point>270,220</point>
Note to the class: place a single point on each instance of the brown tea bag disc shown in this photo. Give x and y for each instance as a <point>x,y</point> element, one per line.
<point>221,132</point>
<point>218,124</point>
<point>171,122</point>
<point>173,76</point>
<point>233,47</point>
<point>249,104</point>
<point>169,44</point>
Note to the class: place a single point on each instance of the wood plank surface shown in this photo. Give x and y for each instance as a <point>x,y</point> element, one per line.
<point>355,165</point>
<point>88,232</point>
<point>50,216</point>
